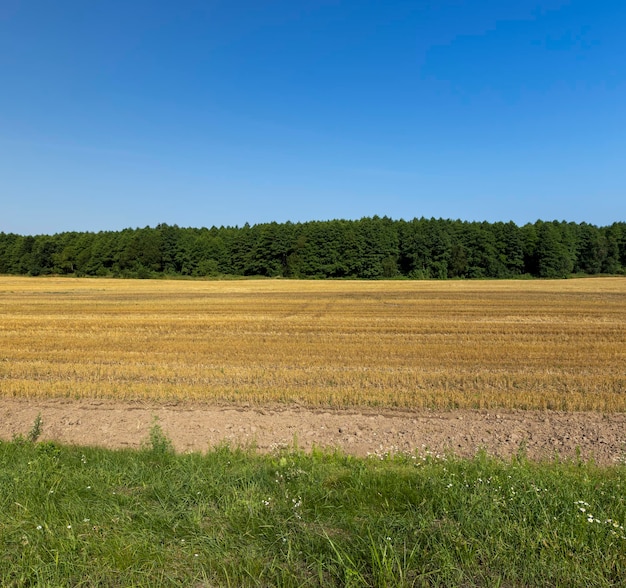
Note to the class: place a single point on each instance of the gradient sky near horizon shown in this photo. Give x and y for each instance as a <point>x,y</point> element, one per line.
<point>130,113</point>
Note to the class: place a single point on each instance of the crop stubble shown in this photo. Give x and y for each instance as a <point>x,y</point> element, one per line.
<point>411,344</point>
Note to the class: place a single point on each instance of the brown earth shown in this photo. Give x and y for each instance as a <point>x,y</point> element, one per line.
<point>197,427</point>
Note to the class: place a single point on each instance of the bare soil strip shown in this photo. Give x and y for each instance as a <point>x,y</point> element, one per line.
<point>197,427</point>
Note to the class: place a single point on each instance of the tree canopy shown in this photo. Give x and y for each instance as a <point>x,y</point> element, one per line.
<point>369,248</point>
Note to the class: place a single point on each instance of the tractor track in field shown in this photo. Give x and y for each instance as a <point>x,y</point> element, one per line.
<point>358,431</point>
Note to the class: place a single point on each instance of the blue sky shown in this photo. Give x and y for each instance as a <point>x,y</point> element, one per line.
<point>128,113</point>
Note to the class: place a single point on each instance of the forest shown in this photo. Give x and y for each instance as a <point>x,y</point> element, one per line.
<point>368,248</point>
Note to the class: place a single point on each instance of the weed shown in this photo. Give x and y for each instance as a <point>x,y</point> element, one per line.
<point>35,431</point>
<point>158,442</point>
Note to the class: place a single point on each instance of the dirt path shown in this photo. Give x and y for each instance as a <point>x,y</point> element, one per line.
<point>196,427</point>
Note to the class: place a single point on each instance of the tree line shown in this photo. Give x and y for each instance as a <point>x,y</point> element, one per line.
<point>370,248</point>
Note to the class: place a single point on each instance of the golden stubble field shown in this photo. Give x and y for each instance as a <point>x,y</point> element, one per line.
<point>424,344</point>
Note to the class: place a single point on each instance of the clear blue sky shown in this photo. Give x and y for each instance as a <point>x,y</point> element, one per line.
<point>127,113</point>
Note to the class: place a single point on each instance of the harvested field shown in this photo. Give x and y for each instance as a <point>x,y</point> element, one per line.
<point>414,345</point>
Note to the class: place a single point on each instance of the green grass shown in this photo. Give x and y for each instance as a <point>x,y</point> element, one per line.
<point>77,516</point>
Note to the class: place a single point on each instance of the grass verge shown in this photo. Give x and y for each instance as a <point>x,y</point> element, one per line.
<point>78,516</point>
